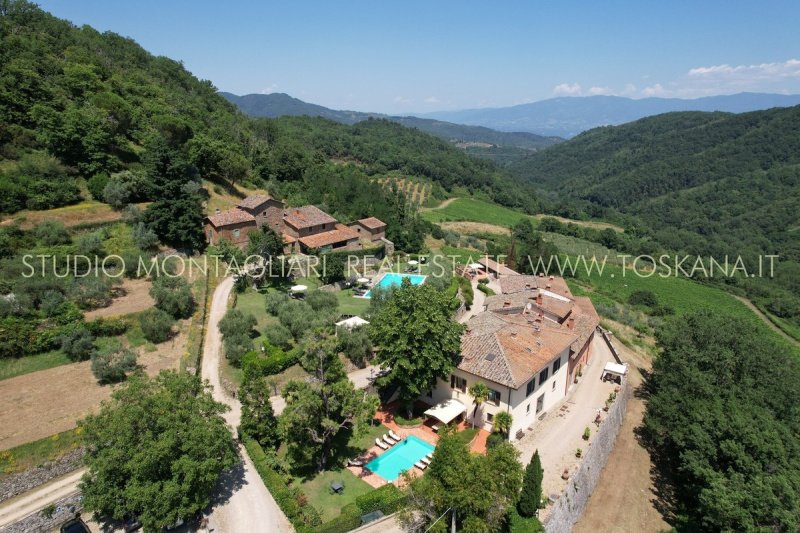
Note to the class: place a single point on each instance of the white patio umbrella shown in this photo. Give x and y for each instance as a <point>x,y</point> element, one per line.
<point>298,288</point>
<point>413,262</point>
<point>363,280</point>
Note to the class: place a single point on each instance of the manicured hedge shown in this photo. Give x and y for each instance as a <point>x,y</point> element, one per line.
<point>485,290</point>
<point>272,361</point>
<point>302,516</point>
<point>348,519</point>
<point>388,499</point>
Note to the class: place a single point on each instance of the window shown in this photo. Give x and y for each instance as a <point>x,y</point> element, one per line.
<point>458,383</point>
<point>430,394</point>
<point>489,417</point>
<point>528,409</point>
<point>236,233</point>
<point>494,396</point>
<point>554,385</point>
<point>556,365</point>
<point>539,404</point>
<point>543,375</point>
<point>531,387</point>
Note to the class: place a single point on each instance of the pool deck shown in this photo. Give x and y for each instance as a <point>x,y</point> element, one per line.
<point>424,432</point>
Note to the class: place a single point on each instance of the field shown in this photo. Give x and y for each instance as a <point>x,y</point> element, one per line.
<point>88,213</point>
<point>417,191</point>
<point>13,367</point>
<point>34,453</point>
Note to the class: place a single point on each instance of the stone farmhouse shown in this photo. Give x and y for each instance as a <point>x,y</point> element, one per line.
<point>526,346</point>
<point>304,229</point>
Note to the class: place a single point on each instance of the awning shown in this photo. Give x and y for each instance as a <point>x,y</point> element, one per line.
<point>352,322</point>
<point>446,410</point>
<point>615,368</point>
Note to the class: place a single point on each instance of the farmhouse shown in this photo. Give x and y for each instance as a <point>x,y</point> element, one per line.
<point>526,346</point>
<point>306,228</point>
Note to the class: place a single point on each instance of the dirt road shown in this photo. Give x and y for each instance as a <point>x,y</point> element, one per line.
<point>28,503</point>
<point>623,499</point>
<point>244,503</point>
<point>764,318</point>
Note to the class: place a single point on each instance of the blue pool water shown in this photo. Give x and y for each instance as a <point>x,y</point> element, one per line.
<point>400,457</point>
<point>394,280</point>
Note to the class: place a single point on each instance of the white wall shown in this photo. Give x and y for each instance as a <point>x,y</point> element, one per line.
<point>516,402</point>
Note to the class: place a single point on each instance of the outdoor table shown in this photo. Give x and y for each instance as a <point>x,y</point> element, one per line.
<point>337,486</point>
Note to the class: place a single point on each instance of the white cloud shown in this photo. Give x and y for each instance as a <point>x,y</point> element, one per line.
<point>569,89</point>
<point>270,89</point>
<point>654,90</point>
<point>599,90</point>
<point>764,71</point>
<point>401,100</point>
<point>629,90</point>
<point>431,100</point>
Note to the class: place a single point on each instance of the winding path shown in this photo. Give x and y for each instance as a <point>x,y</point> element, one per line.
<point>244,503</point>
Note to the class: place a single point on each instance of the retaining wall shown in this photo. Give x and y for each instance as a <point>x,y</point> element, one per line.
<point>569,507</point>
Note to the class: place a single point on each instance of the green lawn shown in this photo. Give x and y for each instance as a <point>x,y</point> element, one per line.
<point>476,211</point>
<point>350,305</point>
<point>34,453</point>
<point>12,367</point>
<point>330,505</point>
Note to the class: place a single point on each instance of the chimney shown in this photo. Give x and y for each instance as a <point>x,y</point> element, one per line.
<point>547,286</point>
<point>539,299</point>
<point>541,274</point>
<point>527,285</point>
<point>552,278</point>
<point>571,322</point>
<point>506,304</point>
<point>514,334</point>
<point>217,211</point>
<point>539,317</point>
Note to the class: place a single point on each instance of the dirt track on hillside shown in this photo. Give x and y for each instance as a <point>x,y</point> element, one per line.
<point>624,499</point>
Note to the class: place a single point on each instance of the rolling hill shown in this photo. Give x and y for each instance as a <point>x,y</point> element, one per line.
<point>701,183</point>
<point>279,104</point>
<point>568,116</point>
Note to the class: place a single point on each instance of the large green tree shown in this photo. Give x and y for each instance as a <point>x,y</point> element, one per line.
<point>320,410</point>
<point>478,489</point>
<point>258,419</point>
<point>155,450</point>
<point>418,339</point>
<point>723,416</point>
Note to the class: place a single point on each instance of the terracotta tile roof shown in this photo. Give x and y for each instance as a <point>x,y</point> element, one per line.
<point>512,302</point>
<point>510,350</point>
<point>230,217</point>
<point>585,322</point>
<point>289,239</point>
<point>491,264</point>
<point>372,223</point>
<point>307,216</point>
<point>340,234</point>
<point>521,282</point>
<point>254,200</point>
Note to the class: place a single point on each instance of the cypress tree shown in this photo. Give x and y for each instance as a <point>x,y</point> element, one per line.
<point>531,496</point>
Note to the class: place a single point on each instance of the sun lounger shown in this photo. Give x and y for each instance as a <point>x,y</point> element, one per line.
<point>429,456</point>
<point>381,444</point>
<point>355,462</point>
<point>395,436</point>
<point>425,460</point>
<point>389,440</point>
<point>421,465</point>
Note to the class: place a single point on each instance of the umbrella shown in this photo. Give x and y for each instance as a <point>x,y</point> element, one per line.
<point>298,288</point>
<point>413,262</point>
<point>363,280</point>
<point>475,266</point>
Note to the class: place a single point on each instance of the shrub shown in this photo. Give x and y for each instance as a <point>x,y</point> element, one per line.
<point>117,193</point>
<point>587,433</point>
<point>274,301</point>
<point>495,439</point>
<point>643,297</point>
<point>144,238</point>
<point>156,325</point>
<point>173,295</point>
<point>78,344</point>
<point>236,322</point>
<point>52,233</point>
<point>236,346</point>
<point>349,519</point>
<point>96,184</point>
<point>272,360</point>
<point>387,499</point>
<point>322,301</point>
<point>485,290</point>
<point>520,524</point>
<point>112,362</point>
<point>355,344</point>
<point>279,335</point>
<point>107,327</point>
<point>296,316</point>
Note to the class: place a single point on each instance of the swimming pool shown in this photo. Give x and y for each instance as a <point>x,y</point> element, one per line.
<point>400,457</point>
<point>394,280</point>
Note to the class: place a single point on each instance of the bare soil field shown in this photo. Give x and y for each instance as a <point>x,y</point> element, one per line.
<point>136,298</point>
<point>50,401</point>
<point>625,497</point>
<point>471,228</point>
<point>88,213</point>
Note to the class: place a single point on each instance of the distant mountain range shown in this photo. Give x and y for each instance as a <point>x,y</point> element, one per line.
<point>569,116</point>
<point>280,104</point>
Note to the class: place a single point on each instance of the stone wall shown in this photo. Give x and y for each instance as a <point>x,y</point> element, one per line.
<point>15,484</point>
<point>569,507</point>
<point>62,510</point>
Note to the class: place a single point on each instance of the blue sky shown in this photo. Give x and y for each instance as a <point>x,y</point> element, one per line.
<point>418,56</point>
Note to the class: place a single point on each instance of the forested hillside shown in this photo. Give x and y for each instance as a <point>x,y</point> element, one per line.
<point>87,114</point>
<point>701,183</point>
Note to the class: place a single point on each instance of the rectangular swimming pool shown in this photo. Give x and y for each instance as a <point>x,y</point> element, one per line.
<point>394,280</point>
<point>400,457</point>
